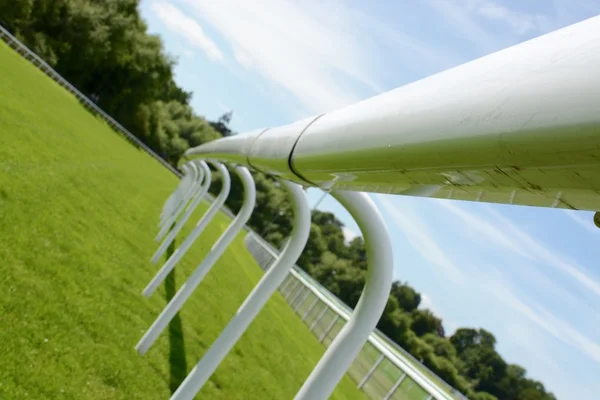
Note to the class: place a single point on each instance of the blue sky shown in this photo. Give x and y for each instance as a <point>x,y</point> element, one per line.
<point>529,275</point>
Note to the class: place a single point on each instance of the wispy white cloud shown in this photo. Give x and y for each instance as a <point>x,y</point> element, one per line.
<point>460,16</point>
<point>184,51</point>
<point>319,52</point>
<point>291,44</point>
<point>504,235</point>
<point>428,304</point>
<point>500,231</point>
<point>586,223</point>
<point>176,21</point>
<point>519,22</point>
<point>349,234</point>
<point>549,322</point>
<point>421,238</point>
<point>480,21</point>
<point>484,228</point>
<point>536,250</point>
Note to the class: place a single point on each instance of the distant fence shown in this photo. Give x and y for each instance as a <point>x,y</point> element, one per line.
<point>29,55</point>
<point>383,370</point>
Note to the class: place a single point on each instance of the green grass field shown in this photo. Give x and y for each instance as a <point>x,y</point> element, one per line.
<point>79,209</point>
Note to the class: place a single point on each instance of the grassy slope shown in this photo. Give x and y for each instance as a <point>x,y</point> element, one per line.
<point>78,212</point>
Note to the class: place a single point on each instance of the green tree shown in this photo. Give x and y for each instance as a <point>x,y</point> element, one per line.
<point>221,125</point>
<point>408,298</point>
<point>424,321</point>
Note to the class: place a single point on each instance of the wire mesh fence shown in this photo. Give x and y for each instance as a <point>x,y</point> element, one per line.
<point>382,370</point>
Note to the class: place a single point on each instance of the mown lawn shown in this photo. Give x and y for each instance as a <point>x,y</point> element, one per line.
<point>79,209</point>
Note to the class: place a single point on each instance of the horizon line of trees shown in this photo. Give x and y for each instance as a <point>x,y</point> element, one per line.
<point>104,49</point>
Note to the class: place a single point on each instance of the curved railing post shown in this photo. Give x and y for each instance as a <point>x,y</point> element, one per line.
<point>198,196</point>
<point>172,198</point>
<point>189,240</point>
<point>255,301</point>
<point>200,272</point>
<point>378,283</point>
<point>177,195</point>
<point>169,204</point>
<point>188,193</point>
<point>197,187</point>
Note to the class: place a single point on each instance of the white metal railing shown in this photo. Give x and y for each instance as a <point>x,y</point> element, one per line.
<point>520,126</point>
<point>312,302</point>
<point>346,345</point>
<point>29,55</point>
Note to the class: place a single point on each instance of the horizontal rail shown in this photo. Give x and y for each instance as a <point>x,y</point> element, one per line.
<point>520,126</point>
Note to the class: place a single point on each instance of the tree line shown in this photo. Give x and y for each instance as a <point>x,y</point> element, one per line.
<point>104,49</point>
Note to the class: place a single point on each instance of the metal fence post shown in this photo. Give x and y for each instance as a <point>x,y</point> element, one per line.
<point>200,272</point>
<point>394,387</point>
<point>287,283</point>
<point>329,328</point>
<point>319,317</point>
<point>310,308</point>
<point>292,290</point>
<point>370,372</point>
<point>298,293</point>
<point>255,301</point>
<point>302,300</point>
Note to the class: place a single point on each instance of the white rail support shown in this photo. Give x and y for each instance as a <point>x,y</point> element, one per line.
<point>169,203</point>
<point>197,190</point>
<point>195,187</point>
<point>175,197</point>
<point>378,284</point>
<point>255,301</point>
<point>198,196</point>
<point>191,238</point>
<point>179,193</point>
<point>371,371</point>
<point>200,272</point>
<point>189,192</point>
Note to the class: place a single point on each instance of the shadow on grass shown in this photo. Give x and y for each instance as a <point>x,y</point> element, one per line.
<point>178,366</point>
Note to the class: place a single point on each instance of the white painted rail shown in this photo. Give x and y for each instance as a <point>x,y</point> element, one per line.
<point>520,126</point>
